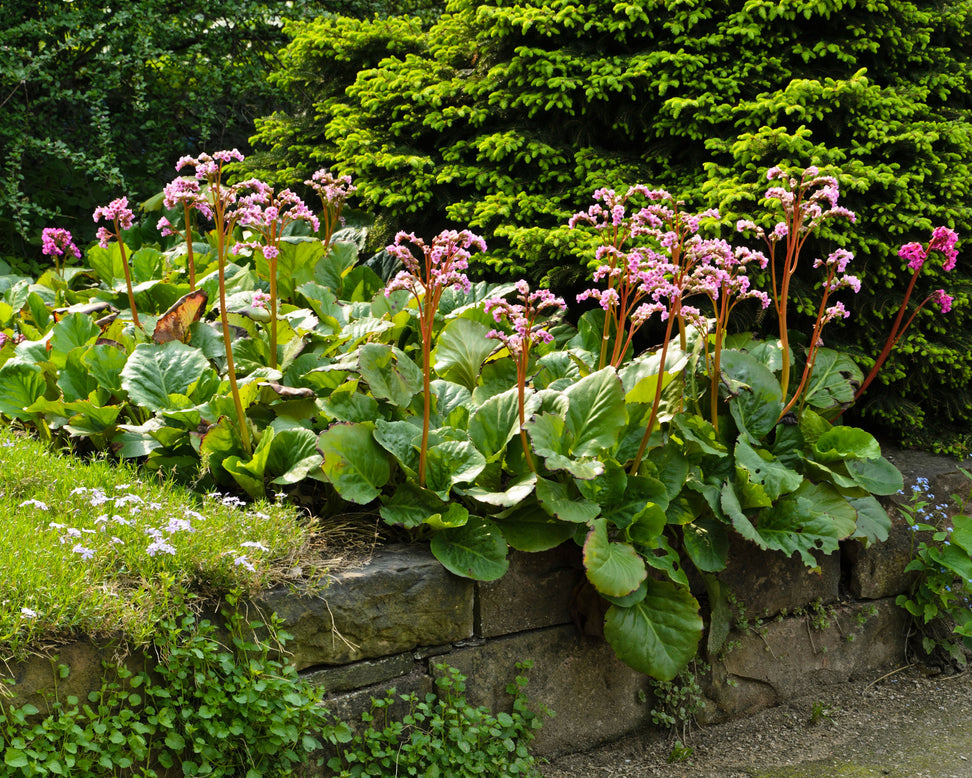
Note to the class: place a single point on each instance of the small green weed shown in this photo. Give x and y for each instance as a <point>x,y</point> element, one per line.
<point>819,712</point>
<point>677,701</point>
<point>679,753</point>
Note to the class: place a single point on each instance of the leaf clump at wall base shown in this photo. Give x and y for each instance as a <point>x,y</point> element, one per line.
<point>504,118</point>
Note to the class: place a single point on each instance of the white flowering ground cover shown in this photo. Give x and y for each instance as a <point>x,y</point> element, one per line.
<point>99,549</point>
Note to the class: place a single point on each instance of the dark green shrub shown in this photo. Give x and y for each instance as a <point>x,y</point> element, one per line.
<point>506,116</point>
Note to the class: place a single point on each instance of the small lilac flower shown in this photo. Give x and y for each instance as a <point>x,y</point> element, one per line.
<point>83,551</point>
<point>30,613</point>
<point>242,561</point>
<point>159,546</point>
<point>34,504</point>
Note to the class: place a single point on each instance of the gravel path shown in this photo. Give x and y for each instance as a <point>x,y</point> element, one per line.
<point>906,726</point>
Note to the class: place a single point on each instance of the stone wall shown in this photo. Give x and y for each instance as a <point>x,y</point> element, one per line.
<point>388,622</point>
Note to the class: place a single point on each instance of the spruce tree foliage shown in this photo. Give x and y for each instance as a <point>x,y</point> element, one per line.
<point>507,115</point>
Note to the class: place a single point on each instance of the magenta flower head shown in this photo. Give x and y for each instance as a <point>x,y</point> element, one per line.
<point>942,300</point>
<point>914,254</point>
<point>944,240</point>
<point>56,242</point>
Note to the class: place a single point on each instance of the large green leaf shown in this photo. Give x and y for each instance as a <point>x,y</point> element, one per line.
<point>475,550</point>
<point>761,467</point>
<point>20,385</point>
<point>154,372</point>
<point>494,423</point>
<point>390,373</point>
<point>659,635</point>
<point>401,439</point>
<point>555,497</point>
<point>707,544</point>
<point>834,381</point>
<point>878,476</point>
<point>596,413</point>
<point>873,522</point>
<point>530,528</point>
<point>73,331</point>
<point>815,518</point>
<point>292,456</point>
<point>550,440</point>
<point>90,419</point>
<point>514,493</point>
<point>615,569</point>
<point>460,349</point>
<point>353,462</point>
<point>752,392</point>
<point>75,380</point>
<point>452,462</point>
<point>843,443</point>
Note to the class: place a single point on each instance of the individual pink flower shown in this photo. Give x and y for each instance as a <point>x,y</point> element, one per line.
<point>116,210</point>
<point>944,240</point>
<point>914,253</point>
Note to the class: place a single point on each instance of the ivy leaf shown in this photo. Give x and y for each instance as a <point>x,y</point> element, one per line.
<point>660,634</point>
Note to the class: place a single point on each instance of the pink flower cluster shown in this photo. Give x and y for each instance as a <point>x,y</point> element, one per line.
<point>268,214</point>
<point>333,190</point>
<point>442,263</point>
<point>943,239</point>
<point>522,317</point>
<point>56,241</point>
<point>119,214</point>
<point>208,166</point>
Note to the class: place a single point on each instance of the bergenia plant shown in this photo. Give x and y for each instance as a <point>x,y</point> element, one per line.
<point>268,215</point>
<point>333,191</point>
<point>806,203</point>
<point>121,217</point>
<point>184,191</point>
<point>523,318</point>
<point>440,266</point>
<point>943,240</point>
<point>221,200</point>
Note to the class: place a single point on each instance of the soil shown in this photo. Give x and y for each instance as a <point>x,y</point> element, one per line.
<point>906,725</point>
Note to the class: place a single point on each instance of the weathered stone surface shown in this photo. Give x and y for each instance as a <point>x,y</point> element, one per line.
<point>879,570</point>
<point>942,473</point>
<point>38,676</point>
<point>768,582</point>
<point>791,657</point>
<point>534,593</point>
<point>349,707</point>
<point>344,678</point>
<point>403,598</point>
<point>596,697</point>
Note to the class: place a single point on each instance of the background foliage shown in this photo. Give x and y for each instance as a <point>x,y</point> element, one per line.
<point>505,116</point>
<point>98,103</point>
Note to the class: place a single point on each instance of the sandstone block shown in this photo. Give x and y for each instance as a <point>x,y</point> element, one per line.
<point>534,593</point>
<point>401,599</point>
<point>596,697</point>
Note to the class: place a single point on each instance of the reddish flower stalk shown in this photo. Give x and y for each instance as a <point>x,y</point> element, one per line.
<point>121,216</point>
<point>526,331</point>
<point>806,203</point>
<point>184,192</point>
<point>439,267</point>
<point>943,240</point>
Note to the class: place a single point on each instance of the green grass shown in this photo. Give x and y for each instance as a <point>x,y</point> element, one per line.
<point>100,549</point>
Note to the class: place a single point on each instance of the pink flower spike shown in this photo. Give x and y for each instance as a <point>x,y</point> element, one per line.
<point>944,240</point>
<point>942,300</point>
